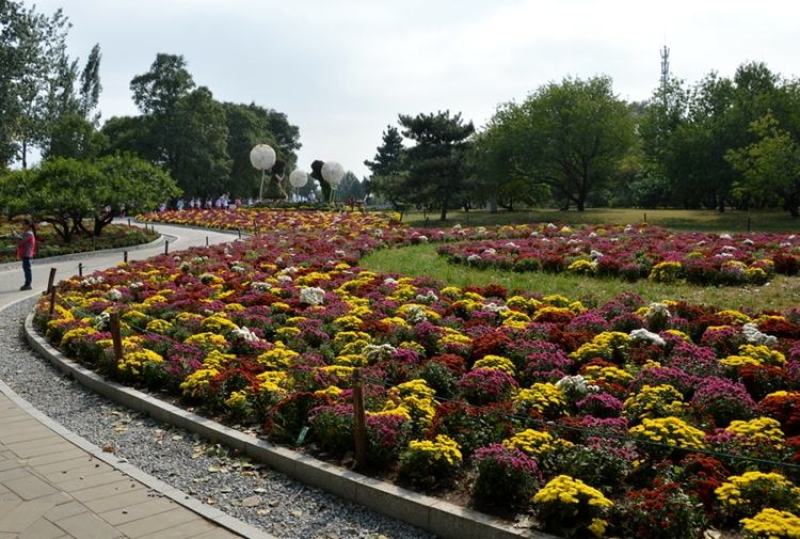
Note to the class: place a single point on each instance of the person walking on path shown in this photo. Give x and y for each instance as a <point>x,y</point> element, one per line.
<point>26,250</point>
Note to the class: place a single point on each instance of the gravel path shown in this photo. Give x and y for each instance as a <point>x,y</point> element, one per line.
<point>237,486</point>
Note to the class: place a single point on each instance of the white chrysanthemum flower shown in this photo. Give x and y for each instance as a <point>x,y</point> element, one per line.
<point>428,297</point>
<point>245,334</point>
<point>642,334</point>
<point>312,295</point>
<point>260,286</point>
<point>114,294</point>
<point>755,336</point>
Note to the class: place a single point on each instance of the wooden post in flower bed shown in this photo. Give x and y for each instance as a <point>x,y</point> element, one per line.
<point>125,257</point>
<point>166,247</point>
<point>359,420</point>
<point>116,335</point>
<point>80,269</point>
<point>52,301</point>
<point>51,279</point>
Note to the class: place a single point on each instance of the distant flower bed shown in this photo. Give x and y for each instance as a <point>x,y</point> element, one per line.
<point>50,244</point>
<point>638,252</point>
<point>625,419</point>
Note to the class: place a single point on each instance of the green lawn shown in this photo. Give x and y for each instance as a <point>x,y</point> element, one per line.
<point>422,260</point>
<point>730,221</point>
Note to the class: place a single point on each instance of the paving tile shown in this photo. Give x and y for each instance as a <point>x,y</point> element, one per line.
<point>68,454</point>
<point>88,526</point>
<point>95,493</point>
<point>80,482</point>
<point>33,432</point>
<point>56,498</point>
<point>136,512</point>
<point>88,469</point>
<point>29,487</point>
<point>9,496</point>
<point>36,448</point>
<point>10,463</point>
<point>70,464</point>
<point>41,529</point>
<point>120,500</point>
<point>23,516</point>
<point>190,529</point>
<point>14,473</point>
<point>157,523</point>
<point>7,506</point>
<point>65,510</point>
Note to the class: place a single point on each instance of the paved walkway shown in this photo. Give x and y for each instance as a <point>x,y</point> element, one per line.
<point>50,487</point>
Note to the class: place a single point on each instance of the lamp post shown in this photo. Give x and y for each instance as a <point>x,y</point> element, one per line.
<point>262,157</point>
<point>298,178</point>
<point>332,172</point>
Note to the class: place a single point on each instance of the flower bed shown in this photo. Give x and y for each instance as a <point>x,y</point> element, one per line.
<point>49,244</point>
<point>624,419</point>
<point>636,252</point>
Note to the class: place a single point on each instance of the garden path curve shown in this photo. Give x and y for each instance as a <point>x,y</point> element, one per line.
<point>54,484</point>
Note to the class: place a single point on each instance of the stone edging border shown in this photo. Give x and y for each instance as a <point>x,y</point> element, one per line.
<point>181,498</point>
<point>77,256</point>
<point>442,518</point>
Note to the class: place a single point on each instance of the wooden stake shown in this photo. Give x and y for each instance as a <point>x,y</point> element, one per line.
<point>116,335</point>
<point>125,257</point>
<point>80,269</point>
<point>359,420</point>
<point>51,279</point>
<point>206,241</point>
<point>52,301</point>
<point>166,247</point>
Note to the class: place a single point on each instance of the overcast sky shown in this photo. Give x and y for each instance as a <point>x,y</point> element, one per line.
<point>343,70</point>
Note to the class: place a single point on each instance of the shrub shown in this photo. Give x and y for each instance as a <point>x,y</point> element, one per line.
<point>506,479</point>
<point>569,507</point>
<point>662,512</point>
<point>427,462</point>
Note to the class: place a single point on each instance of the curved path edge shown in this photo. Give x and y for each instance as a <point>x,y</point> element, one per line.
<point>443,518</point>
<point>181,498</point>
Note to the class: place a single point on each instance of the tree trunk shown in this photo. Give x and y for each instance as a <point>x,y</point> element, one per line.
<point>24,155</point>
<point>443,214</point>
<point>493,204</point>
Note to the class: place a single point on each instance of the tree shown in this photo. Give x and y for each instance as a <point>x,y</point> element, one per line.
<point>500,177</point>
<point>72,135</point>
<point>33,63</point>
<point>436,169</point>
<point>249,125</point>
<point>159,90</point>
<point>90,85</point>
<point>58,191</point>
<point>200,162</point>
<point>770,167</point>
<point>127,183</point>
<point>388,175</point>
<point>572,136</point>
<point>65,191</point>
<point>350,188</point>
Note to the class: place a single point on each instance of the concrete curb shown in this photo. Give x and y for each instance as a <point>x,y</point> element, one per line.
<point>181,498</point>
<point>442,518</point>
<point>83,255</point>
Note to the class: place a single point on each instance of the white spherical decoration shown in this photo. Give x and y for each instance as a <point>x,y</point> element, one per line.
<point>298,178</point>
<point>332,172</point>
<point>262,157</point>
